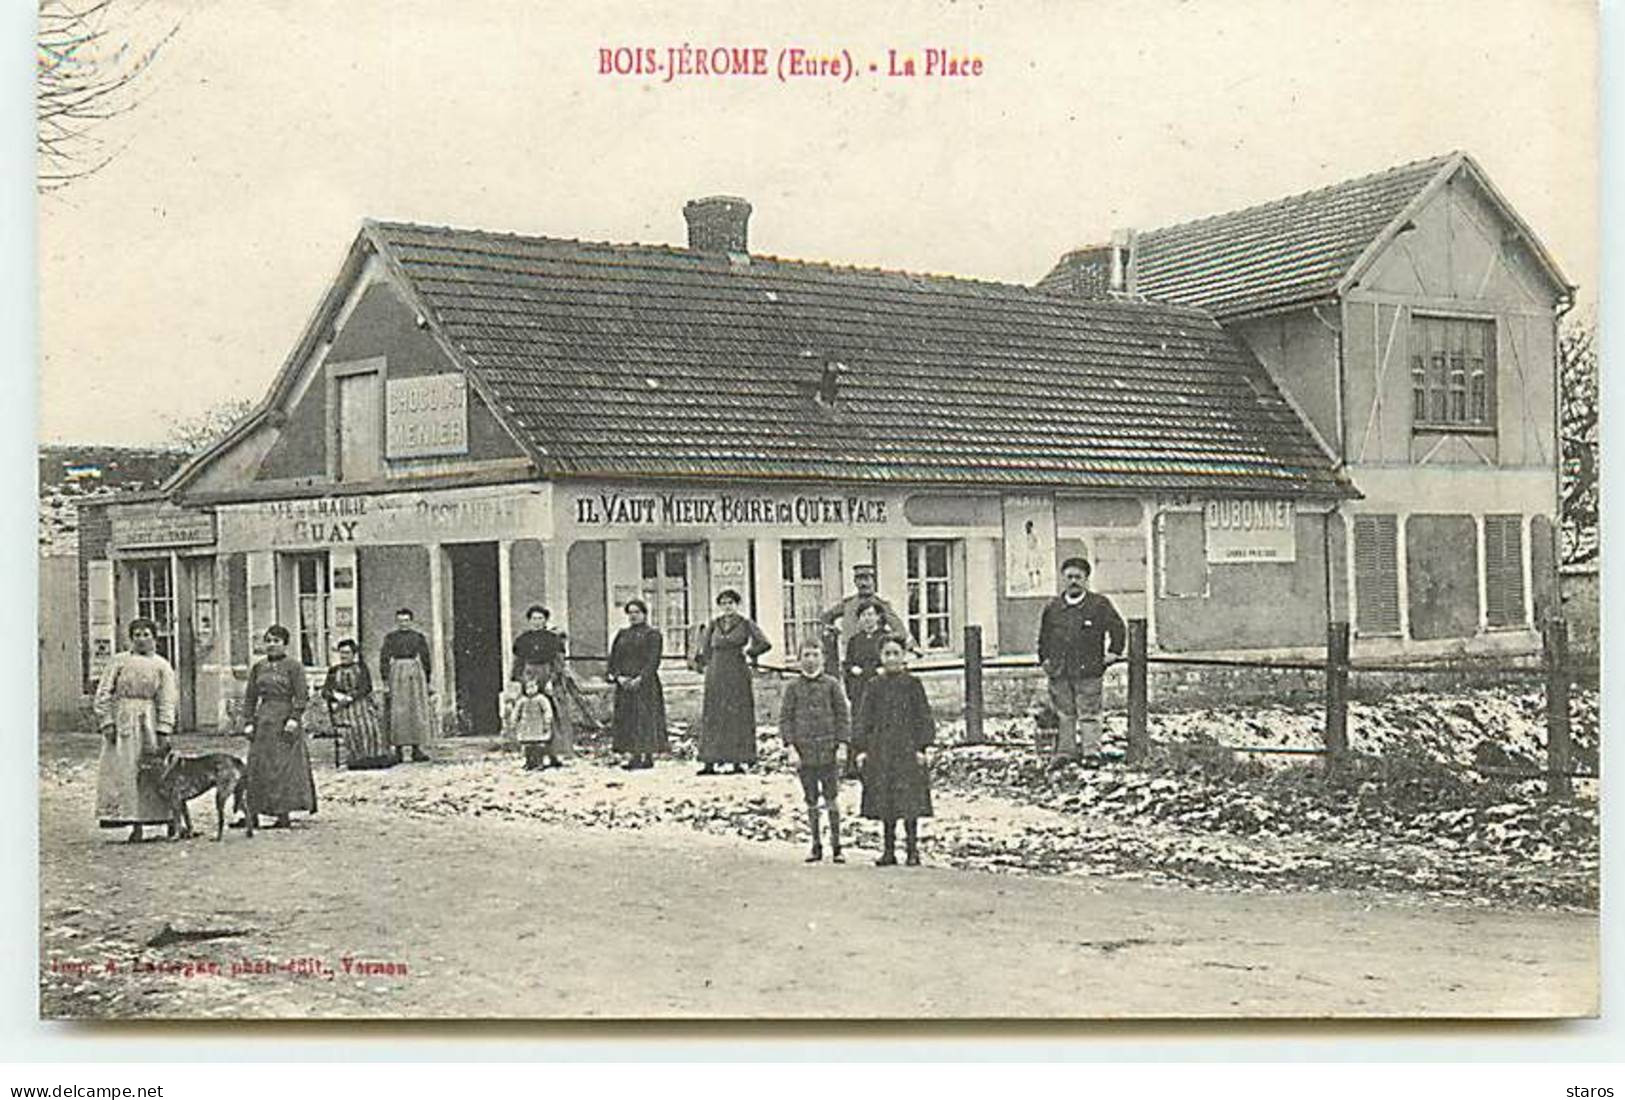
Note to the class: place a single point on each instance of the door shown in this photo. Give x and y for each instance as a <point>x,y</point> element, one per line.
<point>478,660</point>
<point>360,418</point>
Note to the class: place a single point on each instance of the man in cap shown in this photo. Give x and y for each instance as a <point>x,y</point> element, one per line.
<point>1079,634</point>
<point>844,615</point>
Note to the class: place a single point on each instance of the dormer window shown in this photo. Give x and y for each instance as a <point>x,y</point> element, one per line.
<point>1452,374</point>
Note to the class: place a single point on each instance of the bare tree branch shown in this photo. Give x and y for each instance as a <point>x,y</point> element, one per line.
<point>85,74</point>
<point>1580,417</point>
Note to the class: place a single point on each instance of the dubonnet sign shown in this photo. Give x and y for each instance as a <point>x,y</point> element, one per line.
<point>1250,531</point>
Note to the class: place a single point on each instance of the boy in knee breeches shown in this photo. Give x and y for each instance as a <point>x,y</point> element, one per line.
<point>813,720</point>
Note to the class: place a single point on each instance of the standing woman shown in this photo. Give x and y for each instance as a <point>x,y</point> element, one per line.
<point>279,779</point>
<point>538,654</point>
<point>892,729</point>
<point>354,709</point>
<point>640,701</point>
<point>135,712</point>
<point>728,714</point>
<point>405,666</point>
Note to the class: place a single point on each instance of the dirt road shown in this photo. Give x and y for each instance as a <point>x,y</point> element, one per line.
<point>500,917</point>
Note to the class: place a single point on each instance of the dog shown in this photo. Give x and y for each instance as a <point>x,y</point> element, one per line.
<point>186,777</point>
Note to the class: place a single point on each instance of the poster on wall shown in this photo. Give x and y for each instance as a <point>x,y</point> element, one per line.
<point>1029,546</point>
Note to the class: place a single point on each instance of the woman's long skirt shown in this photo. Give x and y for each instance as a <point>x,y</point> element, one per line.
<point>640,717</point>
<point>127,793</point>
<point>409,713</point>
<point>365,742</point>
<point>279,777</point>
<point>728,714</point>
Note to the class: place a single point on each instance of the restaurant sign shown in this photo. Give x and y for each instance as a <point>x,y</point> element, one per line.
<point>386,519</point>
<point>1240,531</point>
<point>713,510</point>
<point>162,528</point>
<point>426,416</point>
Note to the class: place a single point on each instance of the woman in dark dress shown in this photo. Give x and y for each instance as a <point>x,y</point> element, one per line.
<point>279,779</point>
<point>640,701</point>
<point>354,710</point>
<point>728,714</point>
<point>891,731</point>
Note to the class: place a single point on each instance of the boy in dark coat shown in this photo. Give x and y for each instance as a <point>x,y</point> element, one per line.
<point>892,730</point>
<point>814,719</point>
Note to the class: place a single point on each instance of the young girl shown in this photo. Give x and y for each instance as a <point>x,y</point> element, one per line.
<point>862,665</point>
<point>892,729</point>
<point>530,715</point>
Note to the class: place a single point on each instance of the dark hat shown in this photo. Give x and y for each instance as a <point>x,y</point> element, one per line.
<point>863,567</point>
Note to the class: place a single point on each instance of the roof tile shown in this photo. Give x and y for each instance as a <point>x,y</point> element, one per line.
<point>636,360</point>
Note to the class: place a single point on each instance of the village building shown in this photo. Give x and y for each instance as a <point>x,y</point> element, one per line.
<point>474,422</point>
<point>1410,317</point>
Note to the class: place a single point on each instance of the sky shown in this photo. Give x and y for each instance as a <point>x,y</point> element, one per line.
<point>180,276</point>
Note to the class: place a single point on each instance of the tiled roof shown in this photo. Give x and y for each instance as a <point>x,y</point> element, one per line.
<point>633,360</point>
<point>1284,252</point>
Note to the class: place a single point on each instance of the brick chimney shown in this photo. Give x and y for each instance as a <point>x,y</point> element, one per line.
<point>1097,271</point>
<point>718,224</point>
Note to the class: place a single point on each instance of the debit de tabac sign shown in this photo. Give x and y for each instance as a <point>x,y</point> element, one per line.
<point>386,519</point>
<point>1240,531</point>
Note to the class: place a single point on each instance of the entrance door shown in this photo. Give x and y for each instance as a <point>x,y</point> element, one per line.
<point>476,613</point>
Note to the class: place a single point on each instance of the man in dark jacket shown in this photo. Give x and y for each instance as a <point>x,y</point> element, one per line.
<point>1074,635</point>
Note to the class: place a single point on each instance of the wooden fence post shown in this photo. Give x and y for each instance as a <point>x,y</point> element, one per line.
<point>1337,690</point>
<point>1138,741</point>
<point>1559,747</point>
<point>974,703</point>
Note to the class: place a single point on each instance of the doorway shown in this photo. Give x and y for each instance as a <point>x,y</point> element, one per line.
<point>476,631</point>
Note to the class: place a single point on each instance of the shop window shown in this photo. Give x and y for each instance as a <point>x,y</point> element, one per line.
<point>803,568</point>
<point>313,608</point>
<point>1503,571</point>
<point>1376,574</point>
<point>155,600</point>
<point>1183,572</point>
<point>668,572</point>
<point>930,590</point>
<point>1452,373</point>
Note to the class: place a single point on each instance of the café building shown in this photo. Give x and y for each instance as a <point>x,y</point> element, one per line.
<point>473,422</point>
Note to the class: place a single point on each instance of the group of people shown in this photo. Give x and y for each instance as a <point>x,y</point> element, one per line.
<point>877,709</point>
<point>137,697</point>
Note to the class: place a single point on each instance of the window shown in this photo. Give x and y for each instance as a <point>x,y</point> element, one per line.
<point>667,591</point>
<point>205,608</point>
<point>313,608</point>
<point>1452,373</point>
<point>155,600</point>
<point>930,620</point>
<point>803,568</point>
<point>1376,574</point>
<point>1503,571</point>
